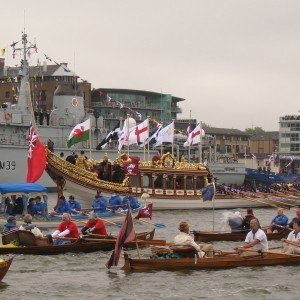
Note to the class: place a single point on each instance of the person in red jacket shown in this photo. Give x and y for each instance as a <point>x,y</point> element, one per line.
<point>94,225</point>
<point>67,229</point>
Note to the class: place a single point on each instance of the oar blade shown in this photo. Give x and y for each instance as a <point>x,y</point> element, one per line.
<point>159,225</point>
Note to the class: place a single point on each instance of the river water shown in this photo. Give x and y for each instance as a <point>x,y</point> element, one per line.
<point>78,276</point>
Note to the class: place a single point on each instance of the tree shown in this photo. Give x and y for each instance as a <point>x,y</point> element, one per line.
<point>254,131</point>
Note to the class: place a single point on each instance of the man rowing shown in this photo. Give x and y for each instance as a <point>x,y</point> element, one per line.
<point>66,229</point>
<point>94,225</point>
<point>292,242</point>
<point>256,238</point>
<point>295,218</point>
<point>280,219</point>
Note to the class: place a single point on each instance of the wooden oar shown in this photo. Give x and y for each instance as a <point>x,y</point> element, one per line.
<point>225,252</point>
<point>287,195</point>
<point>283,227</point>
<point>143,221</point>
<point>66,238</point>
<point>265,251</point>
<point>259,201</point>
<point>151,242</point>
<point>104,220</point>
<point>291,243</point>
<point>271,197</point>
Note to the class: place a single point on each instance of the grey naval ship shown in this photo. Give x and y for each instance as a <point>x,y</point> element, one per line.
<point>68,110</point>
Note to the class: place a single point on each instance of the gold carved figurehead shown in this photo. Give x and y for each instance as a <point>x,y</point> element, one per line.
<point>168,161</point>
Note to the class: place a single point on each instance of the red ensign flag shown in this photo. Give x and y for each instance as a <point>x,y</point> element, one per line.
<point>36,157</point>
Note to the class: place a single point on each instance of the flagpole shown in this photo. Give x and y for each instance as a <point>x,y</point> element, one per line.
<point>214,205</point>
<point>28,97</point>
<point>127,134</point>
<point>188,133</point>
<point>90,139</point>
<point>137,245</point>
<point>173,138</point>
<point>200,144</point>
<point>161,146</point>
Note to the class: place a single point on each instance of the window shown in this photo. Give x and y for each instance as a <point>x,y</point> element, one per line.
<point>295,147</point>
<point>44,95</point>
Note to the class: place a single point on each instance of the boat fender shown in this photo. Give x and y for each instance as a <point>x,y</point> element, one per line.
<point>7,116</point>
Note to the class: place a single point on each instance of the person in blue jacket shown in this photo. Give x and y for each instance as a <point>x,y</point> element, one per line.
<point>115,201</point>
<point>31,208</point>
<point>75,205</point>
<point>63,206</point>
<point>133,202</point>
<point>99,204</point>
<point>9,206</point>
<point>40,207</point>
<point>11,224</point>
<point>281,220</point>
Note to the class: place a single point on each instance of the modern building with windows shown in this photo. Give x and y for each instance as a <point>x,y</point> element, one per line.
<point>289,142</point>
<point>116,104</point>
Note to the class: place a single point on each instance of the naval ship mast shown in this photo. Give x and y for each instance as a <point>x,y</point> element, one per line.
<point>22,103</point>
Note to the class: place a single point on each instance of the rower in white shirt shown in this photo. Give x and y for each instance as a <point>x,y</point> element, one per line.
<point>292,242</point>
<point>256,238</point>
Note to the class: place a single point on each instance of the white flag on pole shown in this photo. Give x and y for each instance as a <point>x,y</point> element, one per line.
<point>166,134</point>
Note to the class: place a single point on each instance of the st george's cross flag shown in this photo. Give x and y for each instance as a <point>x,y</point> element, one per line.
<point>140,133</point>
<point>36,161</point>
<point>195,136</point>
<point>80,133</point>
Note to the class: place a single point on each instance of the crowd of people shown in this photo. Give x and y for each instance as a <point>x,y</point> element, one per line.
<point>72,206</point>
<point>105,169</point>
<point>256,188</point>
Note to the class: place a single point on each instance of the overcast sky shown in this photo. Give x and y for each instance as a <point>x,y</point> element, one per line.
<point>237,62</point>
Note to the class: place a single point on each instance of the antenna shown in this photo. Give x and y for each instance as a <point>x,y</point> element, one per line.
<point>24,21</point>
<point>74,76</point>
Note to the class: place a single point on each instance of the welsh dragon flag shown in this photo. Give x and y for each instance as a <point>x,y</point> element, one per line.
<point>80,133</point>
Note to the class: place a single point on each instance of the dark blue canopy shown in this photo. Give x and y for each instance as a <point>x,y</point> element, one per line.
<point>21,188</point>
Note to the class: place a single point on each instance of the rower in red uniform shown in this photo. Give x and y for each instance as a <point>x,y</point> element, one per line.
<point>66,228</point>
<point>94,225</point>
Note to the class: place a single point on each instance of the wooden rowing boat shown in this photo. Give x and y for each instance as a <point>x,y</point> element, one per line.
<point>4,266</point>
<point>210,236</point>
<point>216,262</point>
<point>29,244</point>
